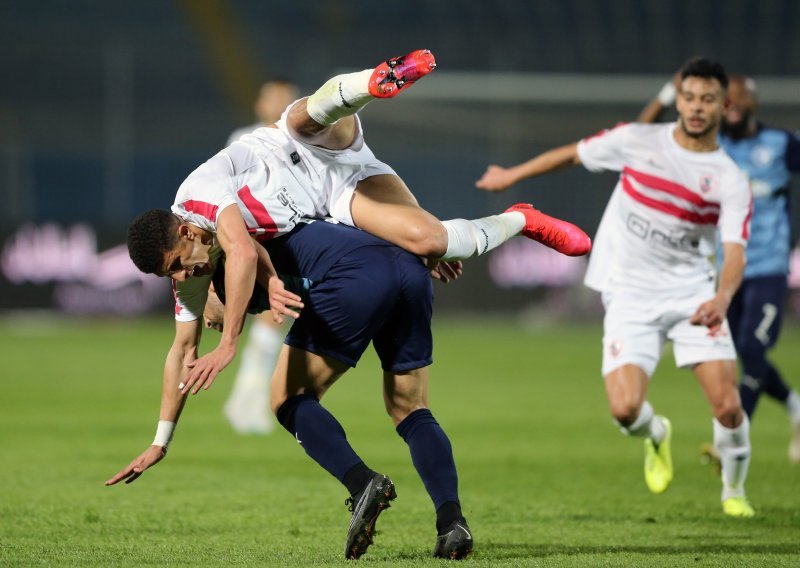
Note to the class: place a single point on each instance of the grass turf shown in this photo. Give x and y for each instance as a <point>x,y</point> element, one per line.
<point>545,478</point>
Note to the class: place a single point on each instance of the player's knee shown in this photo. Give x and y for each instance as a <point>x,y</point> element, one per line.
<point>625,412</point>
<point>428,239</point>
<point>728,411</point>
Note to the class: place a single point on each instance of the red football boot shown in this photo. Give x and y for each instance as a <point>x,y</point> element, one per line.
<point>399,73</point>
<point>559,235</point>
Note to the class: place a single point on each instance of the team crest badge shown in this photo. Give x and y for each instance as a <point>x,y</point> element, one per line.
<point>708,182</point>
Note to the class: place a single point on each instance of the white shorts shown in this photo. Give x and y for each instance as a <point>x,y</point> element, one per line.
<point>336,172</point>
<point>637,324</point>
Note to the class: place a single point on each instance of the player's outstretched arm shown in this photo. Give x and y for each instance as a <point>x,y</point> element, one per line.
<point>712,313</point>
<point>182,352</point>
<point>654,110</point>
<point>497,178</point>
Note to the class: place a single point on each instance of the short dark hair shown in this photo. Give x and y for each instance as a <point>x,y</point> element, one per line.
<point>150,235</point>
<point>704,67</point>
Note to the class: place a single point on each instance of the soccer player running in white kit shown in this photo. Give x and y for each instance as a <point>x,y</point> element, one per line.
<point>312,163</point>
<point>650,262</point>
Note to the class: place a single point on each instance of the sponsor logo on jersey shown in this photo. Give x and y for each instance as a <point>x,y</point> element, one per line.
<point>708,182</point>
<point>677,240</point>
<point>285,198</point>
<point>762,155</point>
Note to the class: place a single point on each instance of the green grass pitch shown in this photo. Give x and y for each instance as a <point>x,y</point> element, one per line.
<point>545,478</point>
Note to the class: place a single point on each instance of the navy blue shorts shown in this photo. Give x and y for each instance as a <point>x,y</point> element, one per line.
<point>756,312</point>
<point>375,293</point>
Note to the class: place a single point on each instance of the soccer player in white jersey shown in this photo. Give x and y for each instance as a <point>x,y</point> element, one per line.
<point>650,261</point>
<point>312,163</point>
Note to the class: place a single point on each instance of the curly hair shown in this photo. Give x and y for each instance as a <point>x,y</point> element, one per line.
<point>150,235</point>
<point>705,68</point>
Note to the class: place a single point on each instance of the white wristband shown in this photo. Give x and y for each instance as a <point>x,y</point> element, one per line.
<point>164,433</point>
<point>666,96</point>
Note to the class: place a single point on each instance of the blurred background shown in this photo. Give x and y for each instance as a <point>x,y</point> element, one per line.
<point>105,107</point>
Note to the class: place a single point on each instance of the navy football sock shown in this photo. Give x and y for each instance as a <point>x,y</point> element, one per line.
<point>320,434</point>
<point>432,456</point>
<point>446,515</point>
<point>774,385</point>
<point>749,393</point>
<point>357,478</point>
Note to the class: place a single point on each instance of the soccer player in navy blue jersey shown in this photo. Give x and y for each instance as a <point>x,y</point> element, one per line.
<point>354,288</point>
<point>769,156</point>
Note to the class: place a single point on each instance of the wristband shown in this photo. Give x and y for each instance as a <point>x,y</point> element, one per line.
<point>164,433</point>
<point>666,96</point>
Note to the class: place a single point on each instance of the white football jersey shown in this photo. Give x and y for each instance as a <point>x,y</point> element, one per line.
<point>659,227</point>
<point>276,180</point>
<point>261,173</point>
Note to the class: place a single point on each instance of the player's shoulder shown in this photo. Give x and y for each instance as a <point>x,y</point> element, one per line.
<point>615,131</point>
<point>727,165</point>
<point>732,176</point>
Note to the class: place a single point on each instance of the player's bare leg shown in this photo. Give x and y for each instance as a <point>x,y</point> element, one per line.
<point>326,119</point>
<point>731,432</point>
<point>626,389</point>
<point>384,206</point>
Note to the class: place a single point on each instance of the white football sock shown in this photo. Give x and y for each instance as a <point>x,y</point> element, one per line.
<point>465,238</point>
<point>793,406</point>
<point>247,407</point>
<point>733,445</point>
<point>340,96</point>
<point>646,425</point>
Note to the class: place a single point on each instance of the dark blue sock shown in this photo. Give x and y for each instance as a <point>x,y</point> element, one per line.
<point>774,385</point>
<point>320,434</point>
<point>749,392</point>
<point>432,456</point>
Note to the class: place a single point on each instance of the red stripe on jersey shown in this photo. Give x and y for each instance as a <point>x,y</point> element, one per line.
<point>259,212</point>
<point>746,226</point>
<point>202,208</point>
<point>175,295</point>
<point>668,208</point>
<point>604,131</point>
<point>676,189</point>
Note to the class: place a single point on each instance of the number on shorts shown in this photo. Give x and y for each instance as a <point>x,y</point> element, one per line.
<point>762,331</point>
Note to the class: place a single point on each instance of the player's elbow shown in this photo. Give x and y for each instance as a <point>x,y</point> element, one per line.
<point>244,253</point>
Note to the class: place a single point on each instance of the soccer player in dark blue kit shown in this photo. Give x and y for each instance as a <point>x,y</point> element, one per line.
<point>355,288</point>
<point>769,156</point>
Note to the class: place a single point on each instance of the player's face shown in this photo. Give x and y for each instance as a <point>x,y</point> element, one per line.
<point>189,258</point>
<point>741,108</point>
<point>273,100</point>
<point>700,105</point>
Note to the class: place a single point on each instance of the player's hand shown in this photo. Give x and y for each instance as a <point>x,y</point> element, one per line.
<point>131,472</point>
<point>446,270</point>
<point>282,302</point>
<point>214,312</point>
<point>496,178</point>
<point>204,370</point>
<point>710,314</point>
